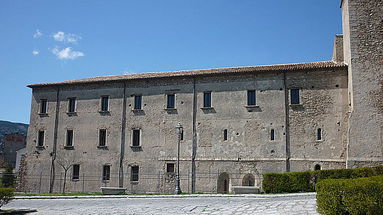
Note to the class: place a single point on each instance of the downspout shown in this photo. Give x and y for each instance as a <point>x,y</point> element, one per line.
<point>54,150</point>
<point>287,123</point>
<point>122,149</point>
<point>194,142</point>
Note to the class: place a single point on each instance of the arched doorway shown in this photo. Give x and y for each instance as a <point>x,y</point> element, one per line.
<point>223,183</point>
<point>248,180</point>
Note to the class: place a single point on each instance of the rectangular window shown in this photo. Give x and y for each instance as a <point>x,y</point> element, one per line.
<point>319,134</point>
<point>102,137</point>
<point>294,97</point>
<point>136,137</point>
<point>43,106</point>
<point>134,173</point>
<point>182,134</point>
<point>69,138</point>
<point>207,99</point>
<point>171,101</point>
<point>40,140</point>
<point>272,134</point>
<point>76,172</point>
<point>137,102</point>
<point>106,173</point>
<point>225,134</point>
<point>251,97</point>
<point>170,167</point>
<point>72,105</point>
<point>104,103</point>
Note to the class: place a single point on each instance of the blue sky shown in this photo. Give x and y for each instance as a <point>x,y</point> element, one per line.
<point>47,41</point>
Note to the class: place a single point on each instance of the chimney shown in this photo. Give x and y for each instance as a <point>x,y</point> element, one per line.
<point>337,54</point>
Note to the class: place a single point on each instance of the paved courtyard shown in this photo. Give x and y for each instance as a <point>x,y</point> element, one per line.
<point>287,204</point>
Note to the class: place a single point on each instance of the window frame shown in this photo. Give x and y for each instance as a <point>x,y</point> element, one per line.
<point>205,105</point>
<point>250,101</point>
<point>167,101</point>
<point>106,172</point>
<point>133,137</point>
<point>135,104</point>
<point>73,172</point>
<point>70,109</point>
<point>68,131</point>
<point>38,145</point>
<point>102,107</point>
<point>298,96</point>
<point>105,138</point>
<point>134,177</point>
<point>42,110</point>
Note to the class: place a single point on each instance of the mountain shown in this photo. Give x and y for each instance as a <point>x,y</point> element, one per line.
<point>12,127</point>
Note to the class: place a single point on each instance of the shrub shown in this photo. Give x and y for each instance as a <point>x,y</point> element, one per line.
<point>305,181</point>
<point>6,195</point>
<point>350,196</point>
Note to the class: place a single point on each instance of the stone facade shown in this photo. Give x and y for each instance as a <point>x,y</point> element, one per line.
<point>228,144</point>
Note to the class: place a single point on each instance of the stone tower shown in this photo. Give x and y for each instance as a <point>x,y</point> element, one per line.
<point>363,52</point>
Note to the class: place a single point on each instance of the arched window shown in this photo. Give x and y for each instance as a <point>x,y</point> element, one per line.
<point>317,167</point>
<point>248,180</point>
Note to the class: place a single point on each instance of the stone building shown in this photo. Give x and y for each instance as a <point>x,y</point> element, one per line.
<point>237,122</point>
<point>9,146</point>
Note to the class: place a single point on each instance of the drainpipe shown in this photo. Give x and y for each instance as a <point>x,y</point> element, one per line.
<point>287,123</point>
<point>194,142</point>
<point>122,149</point>
<point>54,150</point>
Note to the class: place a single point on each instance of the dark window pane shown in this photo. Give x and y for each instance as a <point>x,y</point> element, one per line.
<point>251,97</point>
<point>272,134</point>
<point>69,138</point>
<point>170,167</point>
<point>319,134</point>
<point>137,102</point>
<point>104,103</point>
<point>72,105</point>
<point>294,94</point>
<point>207,99</point>
<point>225,134</point>
<point>40,141</point>
<point>136,137</point>
<point>171,101</point>
<point>76,172</point>
<point>134,173</point>
<point>43,106</point>
<point>102,137</point>
<point>106,173</point>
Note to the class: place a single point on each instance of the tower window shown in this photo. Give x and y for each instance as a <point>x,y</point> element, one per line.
<point>251,97</point>
<point>136,137</point>
<point>72,105</point>
<point>69,138</point>
<point>225,134</point>
<point>102,137</point>
<point>40,139</point>
<point>43,106</point>
<point>294,97</point>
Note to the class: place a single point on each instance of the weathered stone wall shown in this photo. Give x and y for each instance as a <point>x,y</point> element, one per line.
<point>248,149</point>
<point>363,42</point>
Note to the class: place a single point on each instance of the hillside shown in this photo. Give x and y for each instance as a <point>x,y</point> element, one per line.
<point>11,127</point>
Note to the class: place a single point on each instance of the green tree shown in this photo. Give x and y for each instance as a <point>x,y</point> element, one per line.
<point>8,179</point>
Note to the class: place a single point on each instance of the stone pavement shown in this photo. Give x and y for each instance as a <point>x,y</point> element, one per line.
<point>196,204</point>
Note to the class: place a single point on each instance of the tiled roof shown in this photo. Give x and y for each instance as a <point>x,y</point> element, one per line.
<point>201,72</point>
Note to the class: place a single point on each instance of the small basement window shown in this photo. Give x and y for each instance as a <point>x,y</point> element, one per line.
<point>170,167</point>
<point>317,167</point>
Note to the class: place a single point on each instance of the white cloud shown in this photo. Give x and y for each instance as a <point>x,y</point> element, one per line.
<point>66,37</point>
<point>67,53</point>
<point>37,34</point>
<point>35,52</point>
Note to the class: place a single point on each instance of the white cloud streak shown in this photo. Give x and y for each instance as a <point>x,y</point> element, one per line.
<point>37,34</point>
<point>66,37</point>
<point>35,52</point>
<point>67,53</point>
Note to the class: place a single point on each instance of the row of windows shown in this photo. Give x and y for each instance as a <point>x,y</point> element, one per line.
<point>134,172</point>
<point>136,137</point>
<point>170,101</point>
